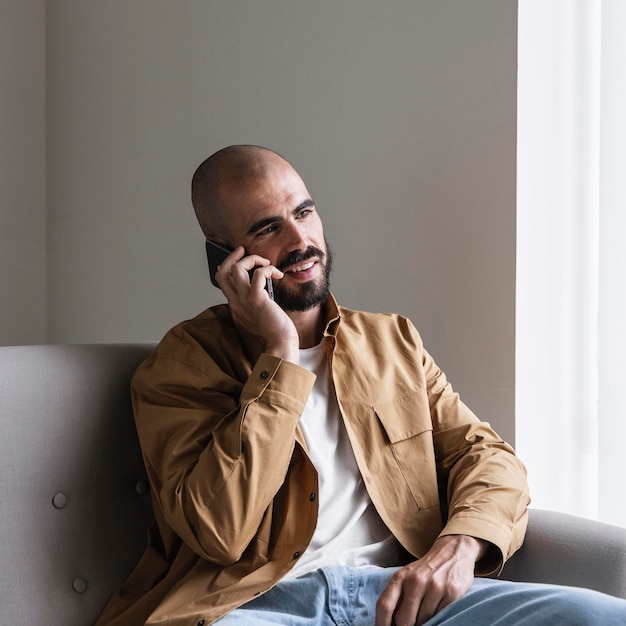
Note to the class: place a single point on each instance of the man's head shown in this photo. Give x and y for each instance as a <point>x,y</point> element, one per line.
<point>250,196</point>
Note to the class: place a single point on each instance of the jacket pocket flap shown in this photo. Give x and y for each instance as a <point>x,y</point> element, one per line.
<point>404,417</point>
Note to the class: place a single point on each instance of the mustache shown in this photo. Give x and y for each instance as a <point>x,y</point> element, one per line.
<point>300,257</point>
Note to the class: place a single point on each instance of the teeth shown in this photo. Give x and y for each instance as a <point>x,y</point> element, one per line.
<point>302,268</point>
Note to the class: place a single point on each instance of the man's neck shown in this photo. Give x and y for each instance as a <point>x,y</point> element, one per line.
<point>310,325</point>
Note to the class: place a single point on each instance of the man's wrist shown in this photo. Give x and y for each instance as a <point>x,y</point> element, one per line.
<point>285,350</point>
<point>468,546</point>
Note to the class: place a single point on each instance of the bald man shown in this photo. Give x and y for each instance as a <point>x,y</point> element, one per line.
<point>311,464</point>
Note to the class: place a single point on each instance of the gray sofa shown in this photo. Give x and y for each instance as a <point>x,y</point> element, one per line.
<point>74,502</point>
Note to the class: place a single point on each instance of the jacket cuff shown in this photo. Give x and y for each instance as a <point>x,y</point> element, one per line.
<point>279,382</point>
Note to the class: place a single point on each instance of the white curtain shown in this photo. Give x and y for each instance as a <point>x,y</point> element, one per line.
<point>571,255</point>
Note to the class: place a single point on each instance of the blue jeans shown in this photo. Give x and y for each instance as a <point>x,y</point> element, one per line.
<point>344,596</point>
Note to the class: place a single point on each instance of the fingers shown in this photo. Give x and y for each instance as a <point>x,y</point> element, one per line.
<point>409,599</point>
<point>252,308</point>
<point>419,590</point>
<point>388,602</point>
<point>234,274</point>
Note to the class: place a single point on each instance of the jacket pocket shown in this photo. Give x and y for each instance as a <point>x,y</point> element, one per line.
<point>408,426</point>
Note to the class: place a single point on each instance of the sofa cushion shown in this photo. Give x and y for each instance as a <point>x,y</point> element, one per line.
<point>74,504</point>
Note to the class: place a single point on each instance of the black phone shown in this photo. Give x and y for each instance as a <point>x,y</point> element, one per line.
<point>216,254</point>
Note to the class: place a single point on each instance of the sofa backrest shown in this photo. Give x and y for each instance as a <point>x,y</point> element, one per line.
<point>74,502</point>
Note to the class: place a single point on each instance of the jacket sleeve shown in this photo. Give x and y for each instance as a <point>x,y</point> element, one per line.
<point>485,485</point>
<point>217,450</point>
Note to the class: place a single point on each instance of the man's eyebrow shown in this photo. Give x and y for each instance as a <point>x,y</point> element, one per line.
<point>266,221</point>
<point>304,205</point>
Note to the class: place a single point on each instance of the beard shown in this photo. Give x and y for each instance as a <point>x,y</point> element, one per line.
<point>307,295</point>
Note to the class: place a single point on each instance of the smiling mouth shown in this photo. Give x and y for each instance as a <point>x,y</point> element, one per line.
<point>301,268</point>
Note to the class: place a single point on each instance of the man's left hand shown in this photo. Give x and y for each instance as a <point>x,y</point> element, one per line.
<point>421,589</point>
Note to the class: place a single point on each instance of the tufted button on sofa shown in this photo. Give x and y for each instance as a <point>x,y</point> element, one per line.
<point>75,504</point>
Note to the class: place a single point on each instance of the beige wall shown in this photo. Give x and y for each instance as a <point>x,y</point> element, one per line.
<point>400,116</point>
<point>22,173</point>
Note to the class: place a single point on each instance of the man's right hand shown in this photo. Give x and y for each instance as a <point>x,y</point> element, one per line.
<point>252,308</point>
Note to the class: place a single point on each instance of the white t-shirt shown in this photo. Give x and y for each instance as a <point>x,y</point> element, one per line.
<point>349,530</point>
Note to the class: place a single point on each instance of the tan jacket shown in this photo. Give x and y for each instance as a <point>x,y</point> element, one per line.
<point>234,493</point>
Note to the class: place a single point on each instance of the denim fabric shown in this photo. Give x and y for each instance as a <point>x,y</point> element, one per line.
<point>503,603</point>
<point>330,596</point>
<point>344,596</point>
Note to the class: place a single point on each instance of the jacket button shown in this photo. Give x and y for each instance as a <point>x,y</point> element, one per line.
<point>264,375</point>
<point>297,554</point>
<point>312,497</point>
<point>201,622</point>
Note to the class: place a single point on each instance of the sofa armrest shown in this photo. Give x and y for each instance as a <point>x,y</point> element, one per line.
<point>569,550</point>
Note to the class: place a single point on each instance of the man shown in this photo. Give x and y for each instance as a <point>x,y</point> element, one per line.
<point>310,464</point>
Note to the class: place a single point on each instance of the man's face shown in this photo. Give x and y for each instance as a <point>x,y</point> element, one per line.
<point>272,215</point>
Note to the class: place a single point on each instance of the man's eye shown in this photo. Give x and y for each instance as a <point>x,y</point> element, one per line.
<point>267,230</point>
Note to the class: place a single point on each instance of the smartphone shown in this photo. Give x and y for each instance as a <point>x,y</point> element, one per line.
<point>216,254</point>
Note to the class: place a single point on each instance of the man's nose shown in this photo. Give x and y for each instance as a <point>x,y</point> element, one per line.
<point>295,238</point>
